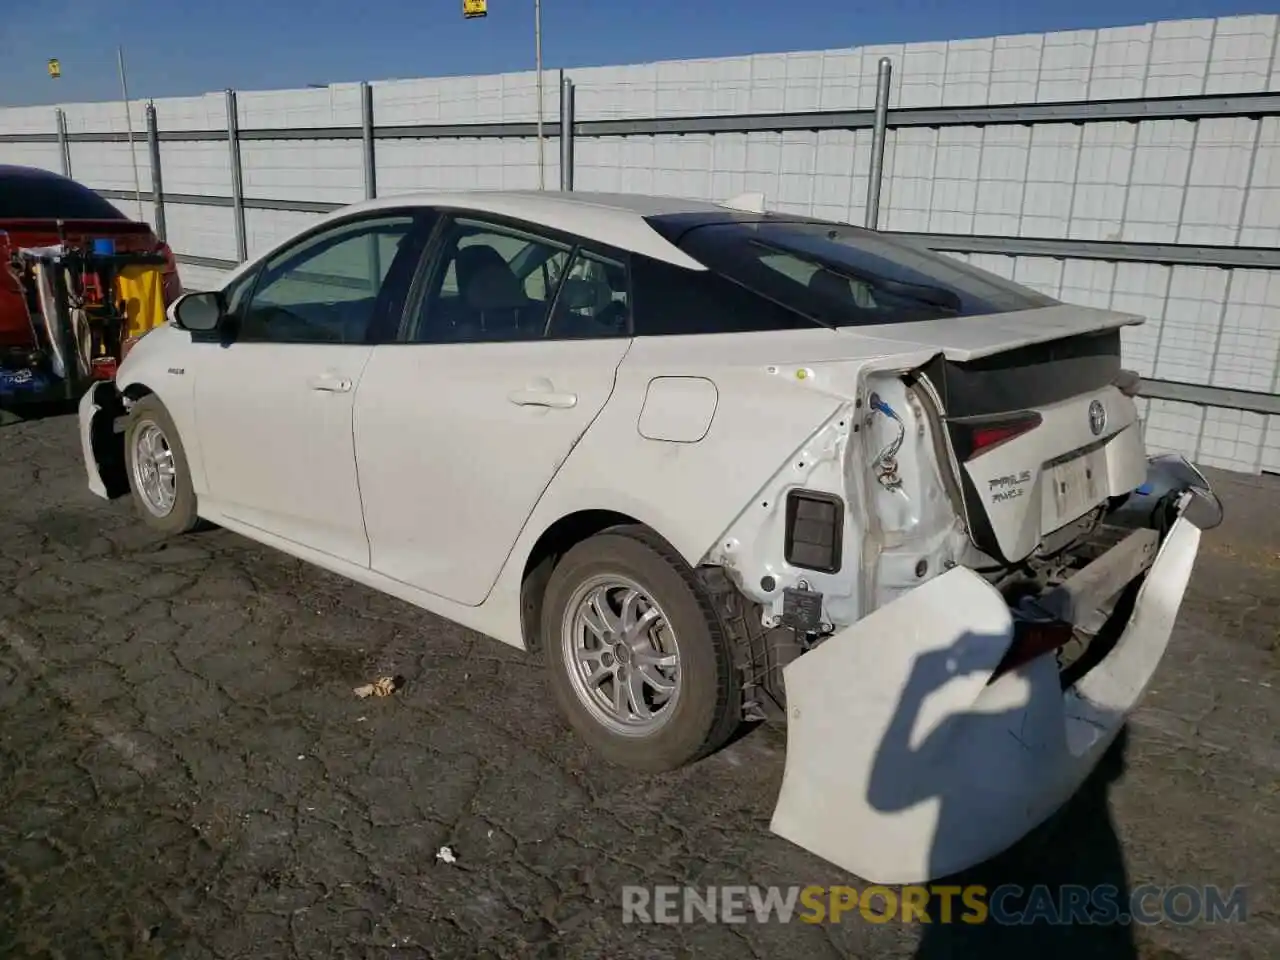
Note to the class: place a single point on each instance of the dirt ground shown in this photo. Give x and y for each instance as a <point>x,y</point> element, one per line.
<point>184,771</point>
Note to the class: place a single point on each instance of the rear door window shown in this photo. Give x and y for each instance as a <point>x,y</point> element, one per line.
<point>594,300</point>
<point>492,283</point>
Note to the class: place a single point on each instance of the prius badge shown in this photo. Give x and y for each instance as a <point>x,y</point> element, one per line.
<point>1097,417</point>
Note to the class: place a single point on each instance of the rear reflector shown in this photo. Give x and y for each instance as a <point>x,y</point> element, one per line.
<point>1033,640</point>
<point>815,524</point>
<point>977,436</point>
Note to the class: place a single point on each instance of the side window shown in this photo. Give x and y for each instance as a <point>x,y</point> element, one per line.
<point>237,295</point>
<point>593,302</point>
<point>671,300</point>
<point>326,288</point>
<point>490,284</point>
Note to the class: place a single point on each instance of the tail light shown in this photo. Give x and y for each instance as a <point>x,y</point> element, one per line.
<point>172,283</point>
<point>1031,640</point>
<point>980,435</point>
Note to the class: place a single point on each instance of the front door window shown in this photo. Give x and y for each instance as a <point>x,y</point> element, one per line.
<point>325,289</point>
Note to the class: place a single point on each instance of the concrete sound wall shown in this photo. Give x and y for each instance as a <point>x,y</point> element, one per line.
<point>1136,168</point>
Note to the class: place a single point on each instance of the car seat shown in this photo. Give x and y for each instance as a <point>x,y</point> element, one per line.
<point>493,299</point>
<point>587,308</point>
<point>832,286</point>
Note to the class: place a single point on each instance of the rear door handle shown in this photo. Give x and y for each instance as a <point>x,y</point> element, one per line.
<point>330,384</point>
<point>543,398</point>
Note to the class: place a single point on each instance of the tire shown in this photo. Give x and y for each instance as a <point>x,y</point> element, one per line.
<point>705,707</point>
<point>149,423</point>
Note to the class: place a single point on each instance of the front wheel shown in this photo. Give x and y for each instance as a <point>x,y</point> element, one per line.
<point>159,479</point>
<point>640,664</point>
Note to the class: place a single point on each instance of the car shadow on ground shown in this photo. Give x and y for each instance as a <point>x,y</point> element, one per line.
<point>13,411</point>
<point>1058,892</point>
<point>1077,848</point>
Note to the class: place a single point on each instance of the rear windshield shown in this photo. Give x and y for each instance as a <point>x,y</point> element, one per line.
<point>27,194</point>
<point>845,276</point>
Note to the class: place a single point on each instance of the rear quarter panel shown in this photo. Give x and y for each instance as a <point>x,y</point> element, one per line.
<point>688,490</point>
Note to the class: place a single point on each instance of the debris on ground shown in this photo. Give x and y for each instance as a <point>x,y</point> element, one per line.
<point>382,687</point>
<point>445,855</point>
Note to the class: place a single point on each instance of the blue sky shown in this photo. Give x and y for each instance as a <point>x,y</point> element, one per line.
<point>176,47</point>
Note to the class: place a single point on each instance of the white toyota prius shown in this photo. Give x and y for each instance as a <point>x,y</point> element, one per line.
<point>715,465</point>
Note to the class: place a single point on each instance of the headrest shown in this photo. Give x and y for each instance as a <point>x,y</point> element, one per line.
<point>830,284</point>
<point>579,293</point>
<point>494,288</point>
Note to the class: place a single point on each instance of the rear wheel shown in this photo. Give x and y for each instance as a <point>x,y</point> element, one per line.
<point>159,479</point>
<point>640,663</point>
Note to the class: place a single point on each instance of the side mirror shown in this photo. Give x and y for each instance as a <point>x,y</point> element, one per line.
<point>198,312</point>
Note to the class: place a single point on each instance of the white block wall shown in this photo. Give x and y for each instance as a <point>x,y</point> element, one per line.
<point>1214,181</point>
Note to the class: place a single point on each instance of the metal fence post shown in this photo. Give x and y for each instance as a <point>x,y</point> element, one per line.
<point>157,182</point>
<point>237,176</point>
<point>64,145</point>
<point>366,131</point>
<point>566,132</point>
<point>877,142</point>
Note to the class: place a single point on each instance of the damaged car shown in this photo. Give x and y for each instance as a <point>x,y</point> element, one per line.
<point>80,283</point>
<point>713,465</point>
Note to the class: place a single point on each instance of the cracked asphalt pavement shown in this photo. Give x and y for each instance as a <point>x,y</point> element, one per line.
<point>184,771</point>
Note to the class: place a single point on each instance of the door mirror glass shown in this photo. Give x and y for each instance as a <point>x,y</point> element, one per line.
<point>199,312</point>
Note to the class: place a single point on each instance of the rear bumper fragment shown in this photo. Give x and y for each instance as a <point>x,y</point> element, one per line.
<point>100,444</point>
<point>1170,477</point>
<point>907,762</point>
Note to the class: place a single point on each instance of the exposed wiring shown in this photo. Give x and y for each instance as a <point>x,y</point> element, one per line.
<point>886,461</point>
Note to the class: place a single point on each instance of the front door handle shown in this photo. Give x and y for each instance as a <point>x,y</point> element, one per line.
<point>330,384</point>
<point>543,398</point>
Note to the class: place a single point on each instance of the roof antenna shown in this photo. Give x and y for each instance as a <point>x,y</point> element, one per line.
<point>746,202</point>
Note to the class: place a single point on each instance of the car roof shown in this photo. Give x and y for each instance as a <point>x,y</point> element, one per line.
<point>34,193</point>
<point>616,219</point>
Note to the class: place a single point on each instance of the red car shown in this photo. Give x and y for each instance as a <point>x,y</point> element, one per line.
<point>40,209</point>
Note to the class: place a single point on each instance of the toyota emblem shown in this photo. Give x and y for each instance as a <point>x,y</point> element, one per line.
<point>1097,417</point>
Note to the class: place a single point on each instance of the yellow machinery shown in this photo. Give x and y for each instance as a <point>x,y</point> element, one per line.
<point>140,290</point>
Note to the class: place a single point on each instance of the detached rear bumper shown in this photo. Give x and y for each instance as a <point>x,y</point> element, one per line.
<point>906,762</point>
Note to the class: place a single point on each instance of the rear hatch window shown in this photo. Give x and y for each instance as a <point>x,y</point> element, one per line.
<point>841,276</point>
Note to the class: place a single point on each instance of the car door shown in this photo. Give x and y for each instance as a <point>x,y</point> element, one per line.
<point>274,396</point>
<point>461,426</point>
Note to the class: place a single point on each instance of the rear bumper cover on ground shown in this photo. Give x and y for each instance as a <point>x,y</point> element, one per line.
<point>905,764</point>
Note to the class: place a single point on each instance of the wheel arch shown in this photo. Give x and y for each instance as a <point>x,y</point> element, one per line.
<point>136,391</point>
<point>553,543</point>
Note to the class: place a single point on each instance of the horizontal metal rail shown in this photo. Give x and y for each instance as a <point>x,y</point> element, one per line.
<point>42,138</point>
<point>1082,111</point>
<point>213,263</point>
<point>204,200</point>
<point>1205,396</point>
<point>1264,258</point>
